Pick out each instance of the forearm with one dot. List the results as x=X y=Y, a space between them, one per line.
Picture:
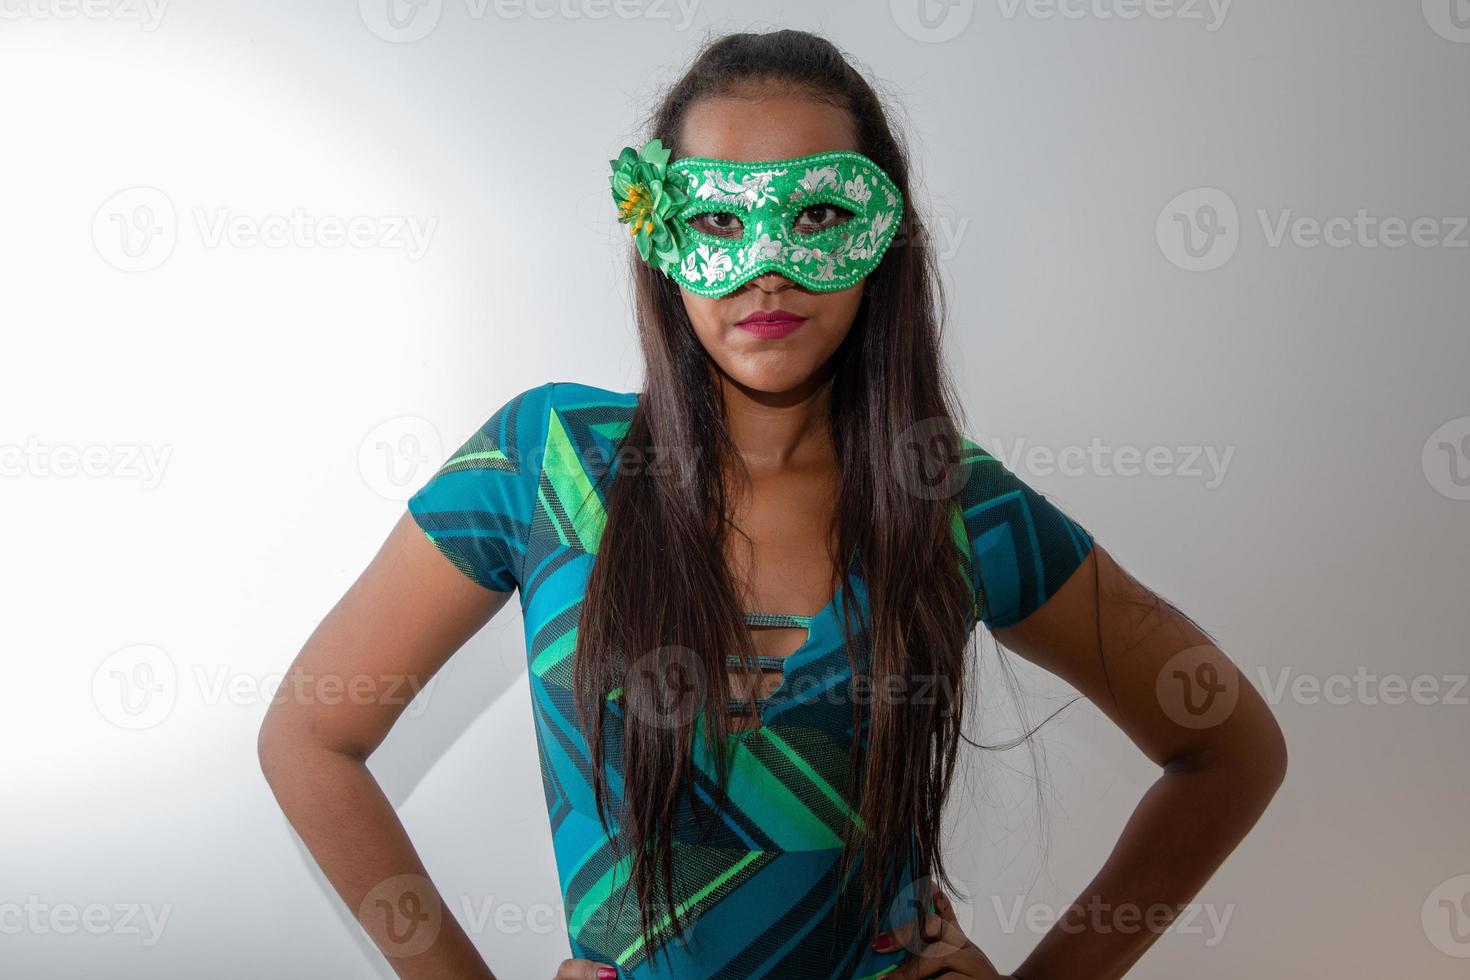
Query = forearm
x=1181 y=832
x=351 y=829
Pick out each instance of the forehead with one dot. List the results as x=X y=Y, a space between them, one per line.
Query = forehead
x=772 y=126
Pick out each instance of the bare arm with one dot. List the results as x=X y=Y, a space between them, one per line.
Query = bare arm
x=1187 y=707
x=402 y=619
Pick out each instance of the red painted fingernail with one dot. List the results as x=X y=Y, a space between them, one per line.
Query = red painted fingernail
x=883 y=943
x=606 y=973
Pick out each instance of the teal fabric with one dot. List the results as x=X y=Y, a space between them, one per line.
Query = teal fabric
x=515 y=507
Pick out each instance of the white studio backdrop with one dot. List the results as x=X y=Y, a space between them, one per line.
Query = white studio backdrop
x=262 y=266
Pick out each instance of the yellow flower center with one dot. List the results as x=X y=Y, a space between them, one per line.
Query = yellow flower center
x=635 y=204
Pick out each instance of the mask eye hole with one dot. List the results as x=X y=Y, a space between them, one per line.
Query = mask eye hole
x=820 y=217
x=721 y=224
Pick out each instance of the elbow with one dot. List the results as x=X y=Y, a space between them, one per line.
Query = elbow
x=271 y=750
x=1274 y=759
x=290 y=740
x=1265 y=746
x=1251 y=761
x=279 y=743
x=1261 y=770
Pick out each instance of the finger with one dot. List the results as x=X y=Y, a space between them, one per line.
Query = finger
x=585 y=970
x=920 y=967
x=905 y=934
x=946 y=908
x=930 y=930
x=967 y=962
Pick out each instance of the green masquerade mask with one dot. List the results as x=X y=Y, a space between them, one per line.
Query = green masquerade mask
x=822 y=220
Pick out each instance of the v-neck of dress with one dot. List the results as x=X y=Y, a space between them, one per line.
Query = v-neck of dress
x=799 y=621
x=815 y=625
x=792 y=620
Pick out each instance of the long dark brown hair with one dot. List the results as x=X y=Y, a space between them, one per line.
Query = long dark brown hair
x=660 y=582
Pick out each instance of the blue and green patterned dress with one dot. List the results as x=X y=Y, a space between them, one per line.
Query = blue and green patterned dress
x=516 y=507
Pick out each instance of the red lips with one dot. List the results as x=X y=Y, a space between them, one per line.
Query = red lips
x=770 y=316
x=771 y=324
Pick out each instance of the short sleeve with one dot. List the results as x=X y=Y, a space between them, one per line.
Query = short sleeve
x=1022 y=547
x=478 y=506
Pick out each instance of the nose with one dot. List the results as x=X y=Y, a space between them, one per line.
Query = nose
x=770 y=282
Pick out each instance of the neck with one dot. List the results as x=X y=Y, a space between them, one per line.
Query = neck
x=778 y=430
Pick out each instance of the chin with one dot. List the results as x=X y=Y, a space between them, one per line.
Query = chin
x=773 y=378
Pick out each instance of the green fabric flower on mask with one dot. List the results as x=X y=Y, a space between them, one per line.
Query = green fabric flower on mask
x=647 y=201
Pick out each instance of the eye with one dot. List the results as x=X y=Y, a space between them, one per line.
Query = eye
x=820 y=217
x=721 y=224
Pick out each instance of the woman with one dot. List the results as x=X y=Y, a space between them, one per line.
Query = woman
x=749 y=591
